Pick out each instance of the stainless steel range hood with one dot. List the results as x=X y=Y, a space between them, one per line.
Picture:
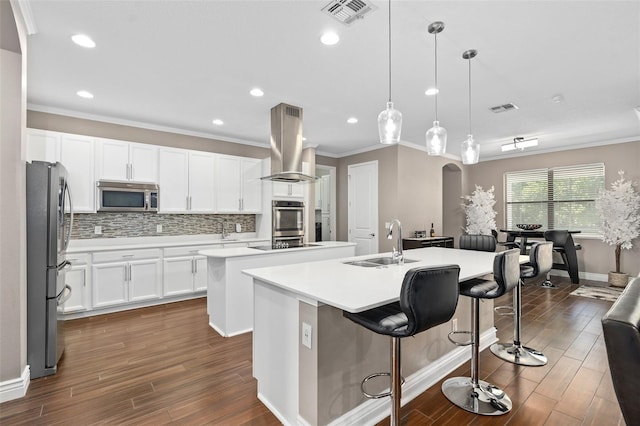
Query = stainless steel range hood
x=286 y=145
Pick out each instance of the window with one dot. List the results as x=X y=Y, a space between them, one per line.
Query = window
x=557 y=198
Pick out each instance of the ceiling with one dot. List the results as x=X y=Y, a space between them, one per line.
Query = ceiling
x=177 y=65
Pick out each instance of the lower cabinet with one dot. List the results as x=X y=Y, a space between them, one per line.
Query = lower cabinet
x=78 y=278
x=126 y=276
x=183 y=275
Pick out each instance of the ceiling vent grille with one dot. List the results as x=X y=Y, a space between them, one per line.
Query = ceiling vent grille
x=503 y=107
x=348 y=11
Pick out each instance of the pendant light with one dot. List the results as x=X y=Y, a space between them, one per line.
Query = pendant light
x=389 y=120
x=470 y=148
x=436 y=136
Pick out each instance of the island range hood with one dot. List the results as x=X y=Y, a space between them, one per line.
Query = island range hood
x=286 y=145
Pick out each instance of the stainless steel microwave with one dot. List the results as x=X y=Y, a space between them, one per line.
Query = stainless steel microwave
x=118 y=196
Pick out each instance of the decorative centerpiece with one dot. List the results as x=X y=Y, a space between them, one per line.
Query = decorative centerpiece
x=479 y=211
x=528 y=226
x=619 y=209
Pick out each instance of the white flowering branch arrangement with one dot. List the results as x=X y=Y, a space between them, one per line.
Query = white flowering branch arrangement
x=619 y=209
x=479 y=211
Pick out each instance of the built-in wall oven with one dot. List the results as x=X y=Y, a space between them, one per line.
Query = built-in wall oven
x=288 y=223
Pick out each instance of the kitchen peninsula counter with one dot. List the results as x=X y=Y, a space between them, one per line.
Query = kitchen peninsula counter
x=316 y=380
x=230 y=292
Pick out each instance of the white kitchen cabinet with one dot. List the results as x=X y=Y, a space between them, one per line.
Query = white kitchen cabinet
x=239 y=188
x=126 y=276
x=326 y=194
x=186 y=180
x=77 y=156
x=79 y=279
x=185 y=271
x=43 y=145
x=288 y=190
x=201 y=182
x=126 y=161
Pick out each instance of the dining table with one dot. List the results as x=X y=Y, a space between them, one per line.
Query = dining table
x=525 y=234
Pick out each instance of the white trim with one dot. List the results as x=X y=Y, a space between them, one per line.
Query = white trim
x=15 y=388
x=584 y=275
x=223 y=334
x=142 y=125
x=374 y=410
x=27 y=15
x=273 y=409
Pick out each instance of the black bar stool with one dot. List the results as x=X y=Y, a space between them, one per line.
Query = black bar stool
x=540 y=261
x=472 y=394
x=564 y=245
x=428 y=297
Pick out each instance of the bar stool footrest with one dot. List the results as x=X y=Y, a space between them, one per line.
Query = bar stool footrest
x=504 y=310
x=455 y=342
x=377 y=395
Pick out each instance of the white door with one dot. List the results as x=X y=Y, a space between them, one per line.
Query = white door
x=76 y=154
x=178 y=275
x=112 y=159
x=143 y=160
x=229 y=186
x=109 y=284
x=200 y=273
x=144 y=279
x=363 y=207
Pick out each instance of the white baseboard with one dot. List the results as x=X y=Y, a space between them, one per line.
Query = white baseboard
x=372 y=411
x=223 y=334
x=585 y=275
x=273 y=409
x=15 y=388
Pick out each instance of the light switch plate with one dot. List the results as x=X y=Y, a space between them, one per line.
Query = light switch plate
x=306 y=335
x=159 y=228
x=97 y=230
x=238 y=227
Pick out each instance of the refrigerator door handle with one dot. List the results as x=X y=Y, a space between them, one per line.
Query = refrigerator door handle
x=68 y=237
x=65 y=295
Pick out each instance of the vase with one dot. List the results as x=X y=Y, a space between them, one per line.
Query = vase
x=618 y=279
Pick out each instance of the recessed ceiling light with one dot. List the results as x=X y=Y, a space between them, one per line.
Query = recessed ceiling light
x=431 y=91
x=83 y=40
x=218 y=122
x=330 y=38
x=304 y=139
x=256 y=92
x=352 y=120
x=84 y=94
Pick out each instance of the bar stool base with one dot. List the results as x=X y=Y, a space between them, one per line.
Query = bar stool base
x=485 y=399
x=518 y=354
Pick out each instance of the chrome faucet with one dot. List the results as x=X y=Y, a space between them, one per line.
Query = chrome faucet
x=225 y=234
x=397 y=252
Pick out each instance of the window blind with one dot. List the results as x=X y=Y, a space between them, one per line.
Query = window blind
x=556 y=198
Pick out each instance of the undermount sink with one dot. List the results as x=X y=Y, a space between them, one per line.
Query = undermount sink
x=376 y=262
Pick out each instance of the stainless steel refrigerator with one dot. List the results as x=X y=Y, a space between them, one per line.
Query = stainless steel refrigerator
x=48 y=235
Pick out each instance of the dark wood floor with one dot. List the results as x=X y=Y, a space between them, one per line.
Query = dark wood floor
x=164 y=365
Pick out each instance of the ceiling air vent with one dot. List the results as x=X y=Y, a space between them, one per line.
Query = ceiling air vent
x=503 y=108
x=348 y=11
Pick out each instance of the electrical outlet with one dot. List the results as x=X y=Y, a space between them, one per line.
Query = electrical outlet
x=387 y=225
x=159 y=228
x=238 y=227
x=454 y=324
x=97 y=230
x=306 y=335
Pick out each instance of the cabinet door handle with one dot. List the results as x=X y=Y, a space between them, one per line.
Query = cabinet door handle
x=195 y=266
x=129 y=272
x=127 y=255
x=239 y=204
x=187 y=202
x=190 y=202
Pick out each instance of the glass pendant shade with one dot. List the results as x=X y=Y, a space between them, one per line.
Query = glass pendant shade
x=436 y=139
x=390 y=125
x=470 y=151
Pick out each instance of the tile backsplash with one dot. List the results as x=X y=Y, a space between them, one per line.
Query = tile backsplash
x=118 y=225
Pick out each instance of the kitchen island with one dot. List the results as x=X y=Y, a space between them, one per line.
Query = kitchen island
x=309 y=360
x=230 y=292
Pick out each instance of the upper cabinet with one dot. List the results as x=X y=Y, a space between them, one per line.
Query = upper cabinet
x=186 y=180
x=126 y=161
x=76 y=154
x=239 y=188
x=288 y=190
x=43 y=145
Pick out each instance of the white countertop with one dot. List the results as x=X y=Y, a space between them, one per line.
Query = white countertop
x=355 y=288
x=102 y=244
x=224 y=253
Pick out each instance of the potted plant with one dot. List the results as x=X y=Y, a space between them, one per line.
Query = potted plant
x=619 y=209
x=479 y=211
